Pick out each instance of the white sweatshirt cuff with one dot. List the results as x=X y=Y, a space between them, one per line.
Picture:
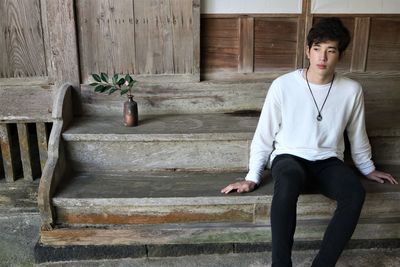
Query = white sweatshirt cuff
x=367 y=168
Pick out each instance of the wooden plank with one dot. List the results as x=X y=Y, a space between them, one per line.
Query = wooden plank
x=25 y=104
x=106 y=36
x=220 y=44
x=62 y=42
x=360 y=44
x=246 y=35
x=275 y=42
x=200 y=233
x=21 y=39
x=6 y=148
x=25 y=149
x=182 y=26
x=42 y=138
x=384 y=45
x=153 y=38
x=196 y=39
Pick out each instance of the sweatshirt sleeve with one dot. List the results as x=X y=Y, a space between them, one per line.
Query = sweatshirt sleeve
x=356 y=130
x=267 y=127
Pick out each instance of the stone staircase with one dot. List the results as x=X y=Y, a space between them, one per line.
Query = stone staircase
x=159 y=183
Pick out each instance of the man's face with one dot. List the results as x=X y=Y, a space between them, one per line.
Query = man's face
x=323 y=57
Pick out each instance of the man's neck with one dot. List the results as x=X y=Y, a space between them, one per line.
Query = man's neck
x=316 y=78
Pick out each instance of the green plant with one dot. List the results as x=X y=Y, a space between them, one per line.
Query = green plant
x=118 y=83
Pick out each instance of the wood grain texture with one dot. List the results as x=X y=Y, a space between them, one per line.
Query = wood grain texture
x=275 y=42
x=62 y=42
x=106 y=30
x=246 y=58
x=42 y=138
x=22 y=51
x=384 y=45
x=360 y=44
x=183 y=24
x=153 y=38
x=6 y=152
x=25 y=150
x=220 y=44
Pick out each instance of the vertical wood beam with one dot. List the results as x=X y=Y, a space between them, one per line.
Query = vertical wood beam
x=306 y=12
x=42 y=142
x=25 y=149
x=8 y=160
x=196 y=39
x=360 y=44
x=63 y=63
x=246 y=37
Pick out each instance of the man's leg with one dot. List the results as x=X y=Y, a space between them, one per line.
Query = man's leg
x=289 y=176
x=339 y=182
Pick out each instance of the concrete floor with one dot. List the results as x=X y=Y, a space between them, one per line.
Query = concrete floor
x=19 y=233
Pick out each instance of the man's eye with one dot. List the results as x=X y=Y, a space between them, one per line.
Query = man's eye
x=332 y=51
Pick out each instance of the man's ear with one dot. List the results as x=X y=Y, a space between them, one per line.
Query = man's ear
x=307 y=51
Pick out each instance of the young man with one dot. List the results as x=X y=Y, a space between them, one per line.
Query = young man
x=300 y=131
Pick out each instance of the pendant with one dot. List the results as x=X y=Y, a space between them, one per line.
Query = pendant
x=319 y=117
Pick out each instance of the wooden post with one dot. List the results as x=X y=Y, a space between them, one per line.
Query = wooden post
x=42 y=142
x=25 y=149
x=360 y=44
x=246 y=36
x=8 y=160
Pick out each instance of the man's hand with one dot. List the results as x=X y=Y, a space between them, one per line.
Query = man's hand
x=240 y=187
x=381 y=177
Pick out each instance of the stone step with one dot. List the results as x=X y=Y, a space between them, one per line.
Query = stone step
x=212 y=142
x=186 y=198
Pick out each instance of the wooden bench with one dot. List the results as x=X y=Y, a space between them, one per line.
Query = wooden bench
x=25 y=113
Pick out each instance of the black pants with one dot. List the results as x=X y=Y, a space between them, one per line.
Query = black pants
x=333 y=179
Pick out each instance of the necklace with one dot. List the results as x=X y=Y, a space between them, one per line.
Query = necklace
x=319 y=117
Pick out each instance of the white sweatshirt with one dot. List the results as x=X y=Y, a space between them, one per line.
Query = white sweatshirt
x=288 y=123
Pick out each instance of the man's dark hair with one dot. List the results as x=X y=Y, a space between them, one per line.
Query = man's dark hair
x=329 y=29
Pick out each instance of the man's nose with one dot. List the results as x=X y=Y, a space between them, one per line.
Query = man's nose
x=323 y=56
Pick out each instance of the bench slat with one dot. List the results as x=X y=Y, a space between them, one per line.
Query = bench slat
x=42 y=142
x=25 y=147
x=5 y=142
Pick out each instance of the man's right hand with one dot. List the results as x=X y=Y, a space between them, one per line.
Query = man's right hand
x=240 y=187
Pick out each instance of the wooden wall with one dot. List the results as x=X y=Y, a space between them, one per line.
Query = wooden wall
x=22 y=52
x=233 y=45
x=139 y=37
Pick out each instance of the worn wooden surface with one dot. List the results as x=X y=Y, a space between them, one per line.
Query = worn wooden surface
x=138 y=198
x=200 y=233
x=22 y=52
x=360 y=44
x=25 y=104
x=384 y=44
x=62 y=42
x=56 y=166
x=8 y=159
x=275 y=43
x=42 y=138
x=25 y=147
x=246 y=57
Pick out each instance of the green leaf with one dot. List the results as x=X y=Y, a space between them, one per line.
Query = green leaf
x=96 y=77
x=115 y=79
x=128 y=78
x=112 y=90
x=99 y=88
x=104 y=77
x=132 y=83
x=94 y=84
x=107 y=87
x=124 y=91
x=121 y=81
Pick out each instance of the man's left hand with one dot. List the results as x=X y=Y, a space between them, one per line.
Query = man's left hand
x=381 y=177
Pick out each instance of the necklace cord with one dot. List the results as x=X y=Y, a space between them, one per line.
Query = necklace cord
x=315 y=102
